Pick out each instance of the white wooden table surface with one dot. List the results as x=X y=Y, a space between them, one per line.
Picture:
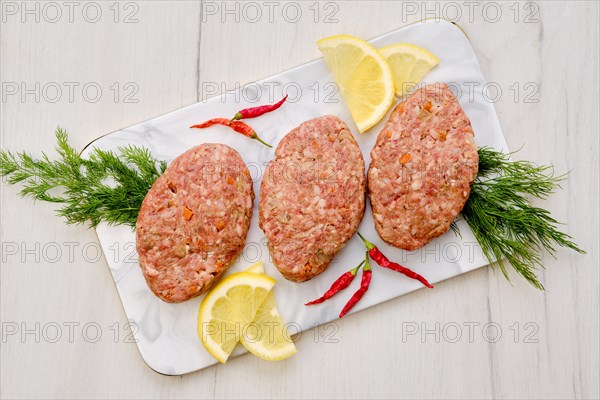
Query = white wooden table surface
x=63 y=327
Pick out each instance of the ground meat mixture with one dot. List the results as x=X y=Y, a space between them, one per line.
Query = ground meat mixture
x=193 y=222
x=312 y=197
x=423 y=164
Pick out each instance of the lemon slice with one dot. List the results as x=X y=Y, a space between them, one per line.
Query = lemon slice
x=268 y=337
x=228 y=310
x=256 y=268
x=364 y=77
x=409 y=64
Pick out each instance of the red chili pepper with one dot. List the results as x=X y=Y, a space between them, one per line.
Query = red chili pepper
x=340 y=284
x=364 y=286
x=211 y=122
x=382 y=260
x=244 y=129
x=254 y=112
x=238 y=126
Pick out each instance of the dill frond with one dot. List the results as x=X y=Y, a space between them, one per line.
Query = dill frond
x=502 y=218
x=104 y=187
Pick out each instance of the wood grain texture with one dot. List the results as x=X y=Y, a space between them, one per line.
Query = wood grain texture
x=171 y=53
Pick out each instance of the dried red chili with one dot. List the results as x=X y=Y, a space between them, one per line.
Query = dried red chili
x=254 y=112
x=383 y=261
x=238 y=126
x=364 y=286
x=340 y=284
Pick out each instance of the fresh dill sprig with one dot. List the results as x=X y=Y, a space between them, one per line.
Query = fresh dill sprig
x=502 y=218
x=103 y=187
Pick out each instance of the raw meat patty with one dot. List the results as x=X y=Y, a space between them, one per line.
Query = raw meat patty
x=193 y=222
x=423 y=164
x=312 y=197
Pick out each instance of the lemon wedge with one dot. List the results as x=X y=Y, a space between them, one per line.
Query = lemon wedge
x=229 y=308
x=268 y=336
x=257 y=268
x=363 y=75
x=409 y=64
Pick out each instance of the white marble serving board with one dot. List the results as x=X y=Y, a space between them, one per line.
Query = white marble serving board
x=166 y=333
